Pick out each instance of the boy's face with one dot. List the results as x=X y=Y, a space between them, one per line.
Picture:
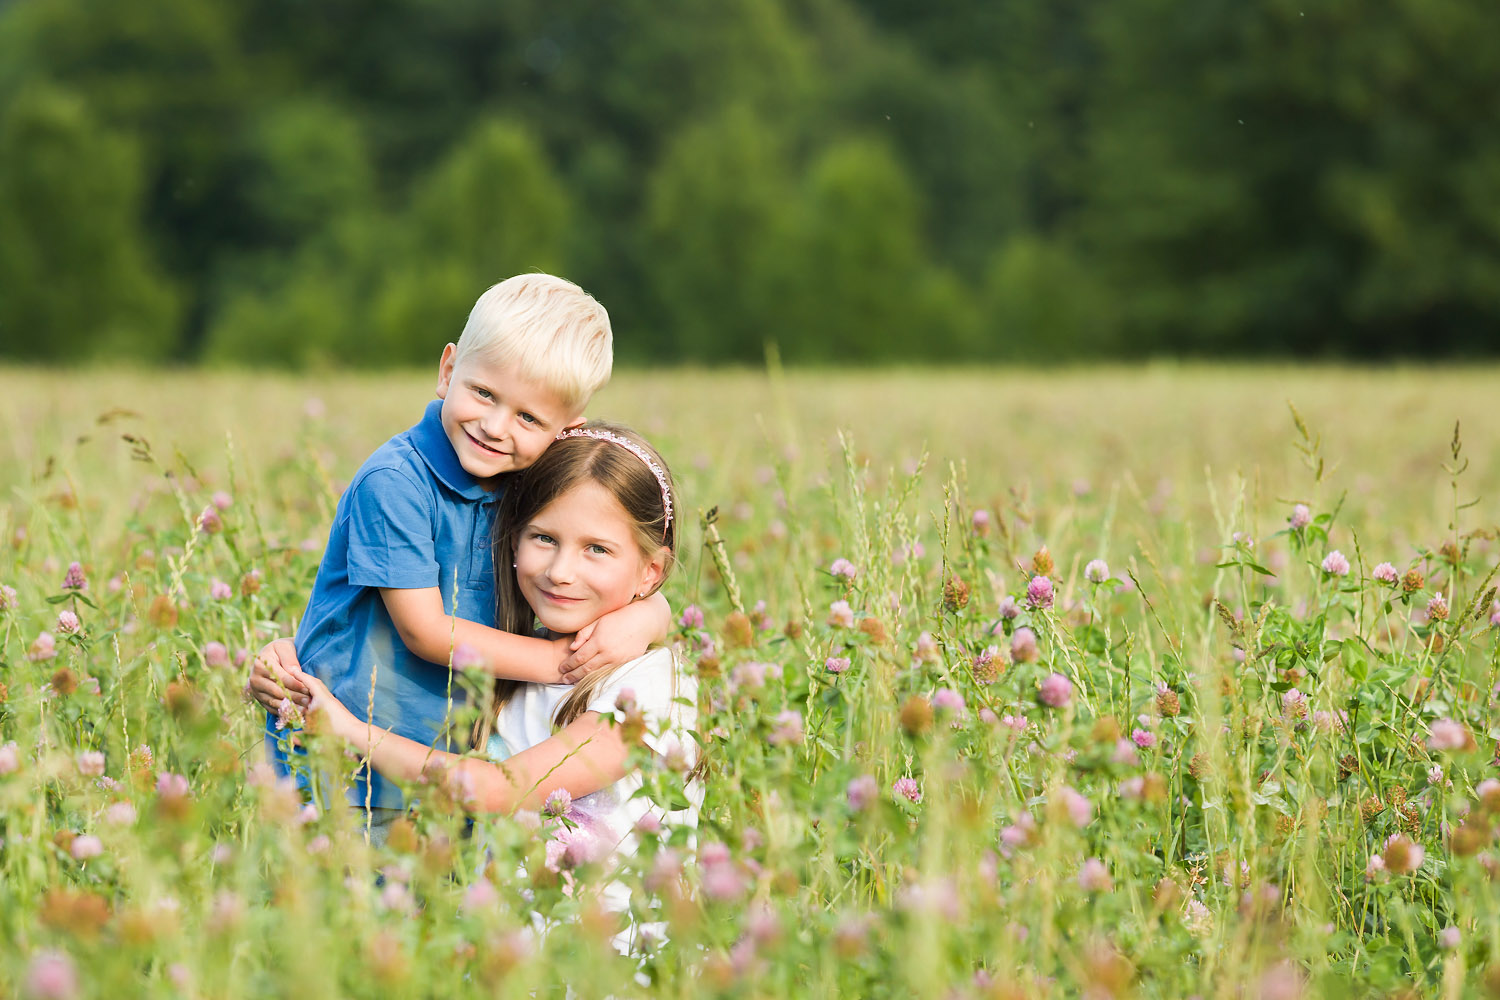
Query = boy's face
x=497 y=421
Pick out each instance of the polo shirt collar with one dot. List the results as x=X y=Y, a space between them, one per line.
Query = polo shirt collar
x=431 y=442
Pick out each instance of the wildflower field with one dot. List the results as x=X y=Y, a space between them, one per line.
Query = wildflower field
x=1151 y=682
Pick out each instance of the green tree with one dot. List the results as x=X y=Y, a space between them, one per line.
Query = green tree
x=493 y=208
x=171 y=74
x=76 y=279
x=493 y=204
x=856 y=278
x=955 y=132
x=716 y=212
x=371 y=290
x=607 y=87
x=1042 y=304
x=309 y=166
x=1287 y=177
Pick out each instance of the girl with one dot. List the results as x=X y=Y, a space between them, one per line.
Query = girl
x=592 y=528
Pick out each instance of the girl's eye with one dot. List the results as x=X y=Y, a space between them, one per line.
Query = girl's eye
x=543 y=539
x=599 y=550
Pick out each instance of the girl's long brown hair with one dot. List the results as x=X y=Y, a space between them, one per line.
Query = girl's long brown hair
x=564 y=465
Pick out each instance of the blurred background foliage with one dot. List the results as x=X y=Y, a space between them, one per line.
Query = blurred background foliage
x=296 y=184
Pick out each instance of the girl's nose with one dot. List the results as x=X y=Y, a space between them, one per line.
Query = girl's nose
x=560 y=568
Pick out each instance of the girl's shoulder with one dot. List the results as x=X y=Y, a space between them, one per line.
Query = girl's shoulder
x=654 y=665
x=652 y=679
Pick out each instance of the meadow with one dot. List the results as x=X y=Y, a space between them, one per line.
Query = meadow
x=1158 y=681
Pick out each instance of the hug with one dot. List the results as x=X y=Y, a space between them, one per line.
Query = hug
x=502 y=532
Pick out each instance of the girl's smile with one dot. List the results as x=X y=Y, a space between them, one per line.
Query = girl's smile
x=578 y=559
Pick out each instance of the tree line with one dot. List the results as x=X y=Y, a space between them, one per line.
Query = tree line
x=299 y=184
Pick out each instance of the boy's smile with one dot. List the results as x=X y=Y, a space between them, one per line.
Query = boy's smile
x=497 y=421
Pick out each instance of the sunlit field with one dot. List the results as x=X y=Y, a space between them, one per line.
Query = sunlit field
x=1157 y=682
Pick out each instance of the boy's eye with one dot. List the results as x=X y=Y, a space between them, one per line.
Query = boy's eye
x=529 y=418
x=482 y=393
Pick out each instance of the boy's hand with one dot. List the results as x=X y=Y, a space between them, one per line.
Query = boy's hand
x=617 y=638
x=275 y=674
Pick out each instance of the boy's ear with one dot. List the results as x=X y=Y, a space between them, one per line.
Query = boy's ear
x=445 y=370
x=577 y=421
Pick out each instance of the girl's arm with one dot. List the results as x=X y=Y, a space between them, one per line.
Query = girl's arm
x=585 y=756
x=276 y=673
x=431 y=633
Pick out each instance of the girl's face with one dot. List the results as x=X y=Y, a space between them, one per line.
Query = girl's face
x=578 y=560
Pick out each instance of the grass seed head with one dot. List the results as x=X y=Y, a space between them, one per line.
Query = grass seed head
x=64 y=682
x=401 y=836
x=1402 y=855
x=738 y=633
x=986 y=666
x=1488 y=792
x=162 y=613
x=873 y=628
x=916 y=715
x=387 y=959
x=77 y=912
x=955 y=594
x=1468 y=839
x=181 y=700
x=1167 y=894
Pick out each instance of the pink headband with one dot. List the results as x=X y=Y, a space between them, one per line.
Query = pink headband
x=638 y=452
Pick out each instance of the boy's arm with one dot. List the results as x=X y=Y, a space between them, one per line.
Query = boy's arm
x=392 y=549
x=431 y=633
x=618 y=637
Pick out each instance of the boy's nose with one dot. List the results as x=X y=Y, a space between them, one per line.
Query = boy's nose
x=493 y=430
x=495 y=425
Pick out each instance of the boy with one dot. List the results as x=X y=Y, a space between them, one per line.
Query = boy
x=408 y=578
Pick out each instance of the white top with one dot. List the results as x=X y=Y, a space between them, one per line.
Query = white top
x=606 y=819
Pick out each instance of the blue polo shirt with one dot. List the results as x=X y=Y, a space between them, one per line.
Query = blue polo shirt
x=411 y=518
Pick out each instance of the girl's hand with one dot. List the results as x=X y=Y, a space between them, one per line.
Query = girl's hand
x=275 y=675
x=340 y=721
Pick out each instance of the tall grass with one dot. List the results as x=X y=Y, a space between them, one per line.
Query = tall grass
x=1206 y=757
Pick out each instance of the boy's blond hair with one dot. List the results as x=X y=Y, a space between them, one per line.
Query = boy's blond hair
x=551 y=331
